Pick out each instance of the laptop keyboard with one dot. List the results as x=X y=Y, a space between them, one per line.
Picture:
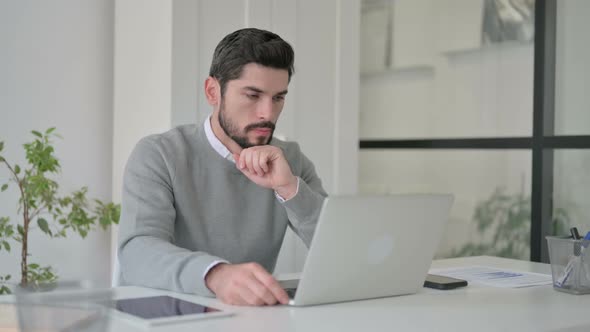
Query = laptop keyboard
x=291 y=292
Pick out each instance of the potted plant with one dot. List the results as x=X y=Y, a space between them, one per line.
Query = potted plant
x=41 y=207
x=503 y=221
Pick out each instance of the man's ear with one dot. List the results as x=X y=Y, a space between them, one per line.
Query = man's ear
x=212 y=91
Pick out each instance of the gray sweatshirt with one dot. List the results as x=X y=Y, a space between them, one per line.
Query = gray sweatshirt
x=184 y=207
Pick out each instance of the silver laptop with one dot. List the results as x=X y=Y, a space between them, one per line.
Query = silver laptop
x=371 y=246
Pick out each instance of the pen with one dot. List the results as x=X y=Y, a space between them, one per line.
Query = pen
x=585 y=244
x=576 y=260
x=574 y=233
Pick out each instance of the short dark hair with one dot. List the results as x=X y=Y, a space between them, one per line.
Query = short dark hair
x=249 y=45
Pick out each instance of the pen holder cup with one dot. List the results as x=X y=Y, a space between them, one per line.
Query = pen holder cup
x=570 y=264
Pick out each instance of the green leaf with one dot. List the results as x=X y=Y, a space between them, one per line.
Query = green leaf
x=36 y=133
x=50 y=130
x=1 y=146
x=4 y=290
x=6 y=245
x=38 y=275
x=44 y=226
x=2 y=159
x=4 y=187
x=20 y=230
x=16 y=169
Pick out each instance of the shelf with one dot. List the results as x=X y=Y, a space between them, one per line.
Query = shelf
x=409 y=71
x=490 y=47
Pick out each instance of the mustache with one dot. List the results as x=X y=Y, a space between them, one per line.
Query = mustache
x=264 y=124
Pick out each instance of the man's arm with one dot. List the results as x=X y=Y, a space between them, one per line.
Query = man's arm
x=146 y=251
x=268 y=167
x=303 y=210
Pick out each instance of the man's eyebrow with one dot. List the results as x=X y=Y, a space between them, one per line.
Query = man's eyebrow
x=257 y=90
x=251 y=88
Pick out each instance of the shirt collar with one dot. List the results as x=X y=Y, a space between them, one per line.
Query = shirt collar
x=215 y=142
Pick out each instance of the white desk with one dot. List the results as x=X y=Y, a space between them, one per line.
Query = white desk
x=474 y=308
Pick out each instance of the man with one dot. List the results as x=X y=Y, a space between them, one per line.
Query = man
x=205 y=207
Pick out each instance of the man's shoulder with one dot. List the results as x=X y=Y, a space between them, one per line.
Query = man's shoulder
x=169 y=145
x=177 y=137
x=292 y=151
x=288 y=147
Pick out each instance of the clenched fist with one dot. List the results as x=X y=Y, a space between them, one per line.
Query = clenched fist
x=267 y=166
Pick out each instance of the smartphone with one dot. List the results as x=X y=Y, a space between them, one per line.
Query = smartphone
x=443 y=283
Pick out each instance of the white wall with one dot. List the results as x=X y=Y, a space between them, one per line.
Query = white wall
x=142 y=84
x=56 y=70
x=166 y=88
x=142 y=77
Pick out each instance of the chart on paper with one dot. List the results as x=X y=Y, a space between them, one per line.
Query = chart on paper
x=495 y=277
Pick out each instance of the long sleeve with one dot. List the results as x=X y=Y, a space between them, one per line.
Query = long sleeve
x=146 y=252
x=303 y=210
x=185 y=207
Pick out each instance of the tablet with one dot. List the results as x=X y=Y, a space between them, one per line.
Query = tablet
x=159 y=310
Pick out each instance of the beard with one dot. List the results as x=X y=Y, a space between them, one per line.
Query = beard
x=233 y=131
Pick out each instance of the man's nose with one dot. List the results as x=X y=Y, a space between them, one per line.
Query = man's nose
x=265 y=109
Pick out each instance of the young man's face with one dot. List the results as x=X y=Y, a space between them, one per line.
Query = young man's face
x=251 y=104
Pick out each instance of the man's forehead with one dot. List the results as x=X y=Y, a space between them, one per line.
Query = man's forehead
x=262 y=79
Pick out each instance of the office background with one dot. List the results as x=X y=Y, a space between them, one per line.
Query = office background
x=472 y=103
x=106 y=73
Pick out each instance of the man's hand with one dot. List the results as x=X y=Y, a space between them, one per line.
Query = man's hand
x=267 y=167
x=245 y=284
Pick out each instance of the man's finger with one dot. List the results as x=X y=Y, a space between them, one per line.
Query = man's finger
x=271 y=284
x=247 y=157
x=263 y=161
x=248 y=296
x=256 y=163
x=243 y=159
x=250 y=162
x=261 y=291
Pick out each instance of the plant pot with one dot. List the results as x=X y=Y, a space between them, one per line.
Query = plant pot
x=34 y=287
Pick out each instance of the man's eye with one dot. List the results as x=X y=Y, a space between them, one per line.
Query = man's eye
x=252 y=96
x=279 y=98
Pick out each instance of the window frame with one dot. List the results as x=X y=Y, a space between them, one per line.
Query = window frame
x=542 y=143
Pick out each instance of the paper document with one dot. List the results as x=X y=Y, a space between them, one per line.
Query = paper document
x=495 y=277
x=8 y=318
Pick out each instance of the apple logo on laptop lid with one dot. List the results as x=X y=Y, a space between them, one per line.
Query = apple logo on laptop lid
x=380 y=249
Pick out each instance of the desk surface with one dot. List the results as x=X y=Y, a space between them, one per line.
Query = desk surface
x=474 y=308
